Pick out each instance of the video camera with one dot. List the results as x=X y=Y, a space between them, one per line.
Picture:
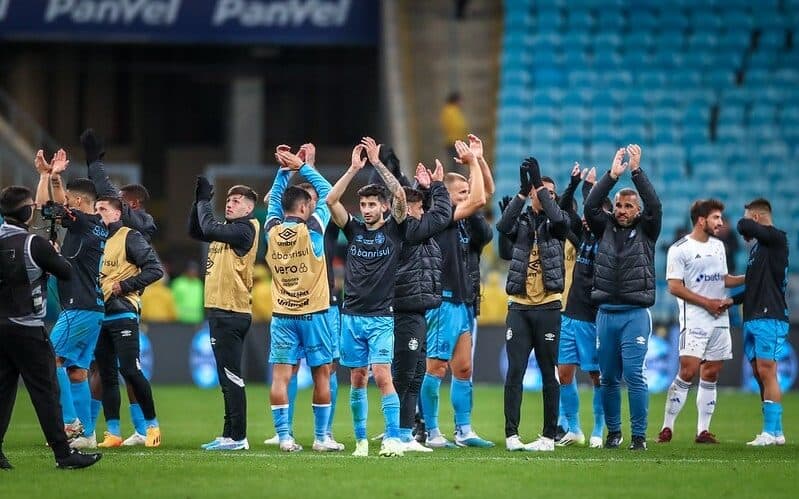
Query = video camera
x=49 y=211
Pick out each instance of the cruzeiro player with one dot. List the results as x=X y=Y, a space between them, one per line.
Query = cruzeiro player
x=367 y=320
x=130 y=264
x=300 y=296
x=696 y=271
x=578 y=337
x=75 y=333
x=765 y=312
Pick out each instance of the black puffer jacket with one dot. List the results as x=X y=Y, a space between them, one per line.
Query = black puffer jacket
x=624 y=270
x=418 y=284
x=547 y=229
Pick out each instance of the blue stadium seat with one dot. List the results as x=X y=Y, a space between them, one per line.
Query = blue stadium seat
x=672 y=19
x=666 y=59
x=548 y=76
x=685 y=78
x=704 y=18
x=719 y=79
x=669 y=40
x=638 y=39
x=582 y=79
x=703 y=39
x=697 y=59
x=735 y=19
x=542 y=41
x=606 y=58
x=579 y=20
x=734 y=39
x=548 y=19
x=763 y=59
x=574 y=116
x=772 y=39
x=575 y=58
x=762 y=115
x=651 y=79
x=601 y=154
x=611 y=20
x=571 y=152
x=575 y=39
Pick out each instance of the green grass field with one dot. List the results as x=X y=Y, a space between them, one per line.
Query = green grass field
x=190 y=416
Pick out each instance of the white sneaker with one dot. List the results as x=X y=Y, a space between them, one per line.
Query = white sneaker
x=763 y=440
x=543 y=444
x=74 y=429
x=780 y=440
x=392 y=447
x=439 y=442
x=289 y=445
x=595 y=442
x=332 y=441
x=273 y=441
x=327 y=445
x=89 y=442
x=471 y=439
x=135 y=439
x=414 y=446
x=571 y=438
x=514 y=443
x=361 y=448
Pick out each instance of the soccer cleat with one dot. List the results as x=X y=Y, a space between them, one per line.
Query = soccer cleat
x=74 y=429
x=613 y=440
x=639 y=443
x=471 y=439
x=514 y=443
x=361 y=448
x=290 y=445
x=333 y=442
x=110 y=440
x=228 y=444
x=154 y=437
x=559 y=433
x=595 y=442
x=572 y=438
x=89 y=442
x=419 y=432
x=542 y=444
x=706 y=438
x=439 y=442
x=664 y=436
x=212 y=443
x=414 y=446
x=762 y=440
x=273 y=441
x=392 y=447
x=76 y=460
x=134 y=440
x=779 y=440
x=326 y=445
x=4 y=464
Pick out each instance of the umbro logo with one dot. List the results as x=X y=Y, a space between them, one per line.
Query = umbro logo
x=126 y=333
x=641 y=340
x=287 y=234
x=697 y=256
x=549 y=337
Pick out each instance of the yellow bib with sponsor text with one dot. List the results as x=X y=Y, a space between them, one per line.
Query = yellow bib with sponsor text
x=299 y=278
x=228 y=277
x=116 y=267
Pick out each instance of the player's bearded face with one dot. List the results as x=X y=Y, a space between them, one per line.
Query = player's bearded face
x=626 y=210
x=713 y=223
x=372 y=209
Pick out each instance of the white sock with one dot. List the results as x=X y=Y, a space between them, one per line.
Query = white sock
x=675 y=400
x=705 y=404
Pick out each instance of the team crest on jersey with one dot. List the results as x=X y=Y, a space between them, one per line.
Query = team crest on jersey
x=413 y=345
x=380 y=238
x=508 y=334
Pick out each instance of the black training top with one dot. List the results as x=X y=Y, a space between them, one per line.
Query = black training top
x=455 y=242
x=766 y=272
x=84 y=244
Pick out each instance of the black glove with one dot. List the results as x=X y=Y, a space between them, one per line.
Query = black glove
x=92 y=146
x=525 y=184
x=575 y=179
x=503 y=203
x=535 y=172
x=204 y=191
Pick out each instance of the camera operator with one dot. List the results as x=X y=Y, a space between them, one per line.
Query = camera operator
x=25 y=349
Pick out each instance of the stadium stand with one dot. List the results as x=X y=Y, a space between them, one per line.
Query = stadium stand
x=711 y=93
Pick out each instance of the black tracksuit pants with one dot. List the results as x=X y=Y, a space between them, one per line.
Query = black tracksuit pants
x=119 y=340
x=228 y=331
x=408 y=366
x=27 y=352
x=532 y=328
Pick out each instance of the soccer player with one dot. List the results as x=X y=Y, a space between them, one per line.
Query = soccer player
x=449 y=327
x=228 y=296
x=75 y=333
x=25 y=349
x=136 y=217
x=534 y=287
x=417 y=289
x=765 y=312
x=696 y=271
x=300 y=296
x=130 y=264
x=624 y=288
x=578 y=338
x=367 y=321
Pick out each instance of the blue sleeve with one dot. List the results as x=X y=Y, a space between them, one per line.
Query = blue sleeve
x=322 y=187
x=275 y=210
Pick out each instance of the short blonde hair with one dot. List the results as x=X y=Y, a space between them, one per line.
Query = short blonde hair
x=451 y=178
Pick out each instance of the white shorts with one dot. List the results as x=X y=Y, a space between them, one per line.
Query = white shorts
x=706 y=344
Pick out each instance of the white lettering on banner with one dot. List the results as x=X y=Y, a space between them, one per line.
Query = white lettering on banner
x=4 y=8
x=253 y=13
x=150 y=12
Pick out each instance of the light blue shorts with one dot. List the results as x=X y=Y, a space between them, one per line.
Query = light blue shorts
x=445 y=325
x=291 y=338
x=74 y=336
x=334 y=326
x=764 y=338
x=366 y=340
x=578 y=344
